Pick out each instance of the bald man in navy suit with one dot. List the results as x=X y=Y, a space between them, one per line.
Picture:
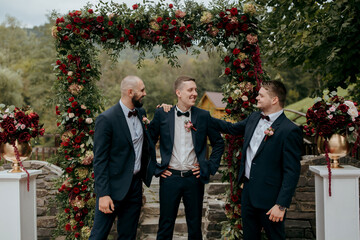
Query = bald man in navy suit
x=124 y=157
x=270 y=163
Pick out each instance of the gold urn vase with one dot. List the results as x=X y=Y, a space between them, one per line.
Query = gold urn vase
x=8 y=152
x=338 y=147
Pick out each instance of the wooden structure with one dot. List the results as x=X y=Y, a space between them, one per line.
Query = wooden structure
x=212 y=102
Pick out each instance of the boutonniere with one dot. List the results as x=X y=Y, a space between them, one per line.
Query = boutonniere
x=189 y=126
x=269 y=132
x=145 y=121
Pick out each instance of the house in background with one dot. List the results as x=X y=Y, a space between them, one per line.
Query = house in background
x=212 y=102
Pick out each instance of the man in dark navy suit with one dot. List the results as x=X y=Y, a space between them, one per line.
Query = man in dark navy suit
x=270 y=163
x=184 y=169
x=124 y=156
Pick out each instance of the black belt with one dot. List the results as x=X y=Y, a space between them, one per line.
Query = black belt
x=186 y=173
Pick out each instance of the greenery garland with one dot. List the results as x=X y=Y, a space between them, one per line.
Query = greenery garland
x=142 y=27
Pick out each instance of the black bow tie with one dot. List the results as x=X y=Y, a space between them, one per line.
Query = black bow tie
x=133 y=113
x=265 y=117
x=186 y=114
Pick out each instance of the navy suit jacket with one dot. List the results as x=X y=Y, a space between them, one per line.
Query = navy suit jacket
x=114 y=155
x=163 y=126
x=275 y=168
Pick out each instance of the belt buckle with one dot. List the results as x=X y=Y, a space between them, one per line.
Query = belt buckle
x=181 y=173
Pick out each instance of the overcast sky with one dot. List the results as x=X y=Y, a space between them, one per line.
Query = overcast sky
x=33 y=12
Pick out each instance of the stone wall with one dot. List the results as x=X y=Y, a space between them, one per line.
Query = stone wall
x=300 y=223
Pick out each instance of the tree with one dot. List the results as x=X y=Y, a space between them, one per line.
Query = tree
x=10 y=83
x=320 y=36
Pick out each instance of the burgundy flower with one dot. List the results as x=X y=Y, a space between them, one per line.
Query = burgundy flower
x=165 y=27
x=227 y=59
x=135 y=6
x=76 y=190
x=222 y=14
x=68 y=227
x=171 y=6
x=159 y=19
x=236 y=51
x=24 y=137
x=173 y=22
x=244 y=27
x=227 y=71
x=100 y=19
x=234 y=11
x=90 y=11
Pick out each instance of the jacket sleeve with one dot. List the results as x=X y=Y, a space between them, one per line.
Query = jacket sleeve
x=217 y=144
x=291 y=166
x=228 y=127
x=102 y=144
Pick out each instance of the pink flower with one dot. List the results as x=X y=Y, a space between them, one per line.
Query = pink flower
x=189 y=126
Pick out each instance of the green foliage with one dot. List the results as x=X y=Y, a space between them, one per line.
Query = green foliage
x=10 y=82
x=320 y=36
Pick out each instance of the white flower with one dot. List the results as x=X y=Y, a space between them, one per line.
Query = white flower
x=330 y=116
x=83 y=107
x=89 y=120
x=244 y=98
x=22 y=126
x=71 y=115
x=332 y=108
x=353 y=113
x=70 y=73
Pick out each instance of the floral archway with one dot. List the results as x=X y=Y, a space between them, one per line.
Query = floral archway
x=142 y=27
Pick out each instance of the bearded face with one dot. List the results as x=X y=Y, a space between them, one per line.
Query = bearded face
x=137 y=100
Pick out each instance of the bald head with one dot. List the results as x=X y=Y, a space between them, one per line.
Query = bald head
x=129 y=82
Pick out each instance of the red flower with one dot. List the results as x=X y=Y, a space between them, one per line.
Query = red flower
x=122 y=39
x=78 y=139
x=91 y=132
x=251 y=73
x=244 y=27
x=24 y=137
x=85 y=210
x=165 y=27
x=182 y=29
x=77 y=235
x=67 y=210
x=236 y=51
x=244 y=18
x=90 y=11
x=71 y=99
x=159 y=19
x=74 y=104
x=227 y=59
x=228 y=111
x=100 y=19
x=234 y=198
x=65 y=38
x=227 y=71
x=68 y=227
x=237 y=62
x=173 y=22
x=245 y=104
x=83 y=188
x=69 y=169
x=76 y=190
x=234 y=11
x=230 y=100
x=222 y=14
x=177 y=39
x=135 y=6
x=81 y=223
x=110 y=23
x=126 y=31
x=171 y=6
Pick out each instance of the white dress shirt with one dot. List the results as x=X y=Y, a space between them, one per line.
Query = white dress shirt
x=257 y=138
x=137 y=135
x=183 y=153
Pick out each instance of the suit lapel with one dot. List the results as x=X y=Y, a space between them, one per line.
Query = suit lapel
x=275 y=126
x=252 y=126
x=171 y=117
x=193 y=121
x=123 y=124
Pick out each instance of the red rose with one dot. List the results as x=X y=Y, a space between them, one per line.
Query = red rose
x=110 y=23
x=103 y=39
x=122 y=39
x=71 y=99
x=135 y=6
x=227 y=71
x=245 y=104
x=24 y=137
x=90 y=11
x=69 y=26
x=234 y=11
x=239 y=226
x=76 y=20
x=230 y=100
x=159 y=19
x=100 y=19
x=76 y=190
x=234 y=198
x=244 y=18
x=92 y=175
x=251 y=74
x=78 y=139
x=165 y=27
x=182 y=29
x=65 y=38
x=83 y=188
x=76 y=208
x=77 y=235
x=188 y=27
x=227 y=59
x=344 y=108
x=173 y=22
x=177 y=39
x=241 y=78
x=228 y=111
x=219 y=25
x=85 y=210
x=126 y=31
x=68 y=227
x=236 y=51
x=91 y=132
x=81 y=223
x=74 y=227
x=10 y=128
x=244 y=27
x=171 y=6
x=237 y=62
x=67 y=210
x=68 y=169
x=222 y=14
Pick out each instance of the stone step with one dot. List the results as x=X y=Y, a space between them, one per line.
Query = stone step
x=149 y=225
x=216 y=188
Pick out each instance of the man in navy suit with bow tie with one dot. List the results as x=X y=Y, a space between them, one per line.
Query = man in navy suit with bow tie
x=184 y=169
x=124 y=156
x=270 y=163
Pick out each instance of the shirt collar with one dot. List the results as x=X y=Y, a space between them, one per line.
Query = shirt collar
x=178 y=109
x=125 y=109
x=275 y=115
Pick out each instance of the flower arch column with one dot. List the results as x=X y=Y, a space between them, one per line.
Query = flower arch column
x=114 y=27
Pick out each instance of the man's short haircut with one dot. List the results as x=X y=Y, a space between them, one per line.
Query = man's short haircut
x=180 y=80
x=276 y=89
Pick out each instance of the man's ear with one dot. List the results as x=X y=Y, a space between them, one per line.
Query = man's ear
x=130 y=92
x=177 y=92
x=275 y=100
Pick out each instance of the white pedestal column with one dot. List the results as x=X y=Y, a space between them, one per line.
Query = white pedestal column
x=18 y=206
x=337 y=217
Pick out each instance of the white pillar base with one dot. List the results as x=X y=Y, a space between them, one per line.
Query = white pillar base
x=337 y=217
x=18 y=206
